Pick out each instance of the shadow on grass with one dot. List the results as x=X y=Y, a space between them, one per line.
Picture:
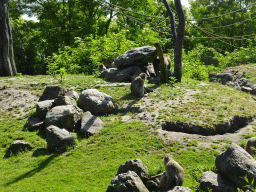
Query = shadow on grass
x=40 y=167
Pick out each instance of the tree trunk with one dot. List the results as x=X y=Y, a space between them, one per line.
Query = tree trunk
x=7 y=64
x=177 y=37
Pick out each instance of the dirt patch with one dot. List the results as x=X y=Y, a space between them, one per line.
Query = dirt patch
x=17 y=101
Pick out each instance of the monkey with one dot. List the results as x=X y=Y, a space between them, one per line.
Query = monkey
x=173 y=175
x=101 y=67
x=138 y=86
x=156 y=63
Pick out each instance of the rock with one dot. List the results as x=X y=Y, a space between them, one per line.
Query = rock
x=42 y=107
x=90 y=124
x=246 y=89
x=65 y=116
x=244 y=82
x=51 y=92
x=125 y=74
x=57 y=137
x=137 y=55
x=72 y=95
x=64 y=100
x=233 y=84
x=235 y=163
x=251 y=146
x=214 y=182
x=137 y=166
x=178 y=189
x=18 y=146
x=109 y=73
x=253 y=91
x=155 y=80
x=98 y=103
x=35 y=124
x=136 y=74
x=126 y=182
x=222 y=77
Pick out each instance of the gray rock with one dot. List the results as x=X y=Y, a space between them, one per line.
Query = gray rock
x=98 y=103
x=251 y=146
x=246 y=89
x=35 y=124
x=18 y=146
x=57 y=137
x=214 y=182
x=51 y=92
x=235 y=163
x=178 y=189
x=244 y=82
x=65 y=116
x=233 y=84
x=136 y=55
x=90 y=124
x=126 y=182
x=125 y=74
x=155 y=80
x=72 y=95
x=109 y=73
x=136 y=74
x=64 y=100
x=42 y=107
x=137 y=166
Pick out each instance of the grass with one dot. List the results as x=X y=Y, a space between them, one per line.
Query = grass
x=92 y=162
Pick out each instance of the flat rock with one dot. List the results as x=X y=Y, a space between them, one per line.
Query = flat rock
x=64 y=116
x=57 y=137
x=90 y=124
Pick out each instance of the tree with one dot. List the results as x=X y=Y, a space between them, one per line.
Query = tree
x=7 y=64
x=177 y=37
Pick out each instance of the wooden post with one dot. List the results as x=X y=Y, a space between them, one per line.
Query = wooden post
x=177 y=37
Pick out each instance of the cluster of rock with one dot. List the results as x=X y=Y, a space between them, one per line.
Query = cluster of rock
x=58 y=113
x=233 y=165
x=133 y=176
x=132 y=63
x=231 y=78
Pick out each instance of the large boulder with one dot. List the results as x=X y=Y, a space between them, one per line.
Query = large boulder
x=90 y=124
x=64 y=116
x=137 y=56
x=214 y=182
x=109 y=73
x=125 y=182
x=98 y=103
x=126 y=74
x=56 y=137
x=235 y=163
x=137 y=166
x=51 y=92
x=42 y=107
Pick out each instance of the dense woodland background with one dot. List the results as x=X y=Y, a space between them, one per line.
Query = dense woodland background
x=73 y=36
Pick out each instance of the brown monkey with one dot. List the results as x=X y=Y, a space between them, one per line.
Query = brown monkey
x=156 y=63
x=138 y=85
x=101 y=67
x=173 y=175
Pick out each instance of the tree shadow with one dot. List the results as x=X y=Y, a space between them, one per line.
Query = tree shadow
x=32 y=172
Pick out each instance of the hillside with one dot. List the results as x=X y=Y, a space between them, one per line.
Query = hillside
x=134 y=132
